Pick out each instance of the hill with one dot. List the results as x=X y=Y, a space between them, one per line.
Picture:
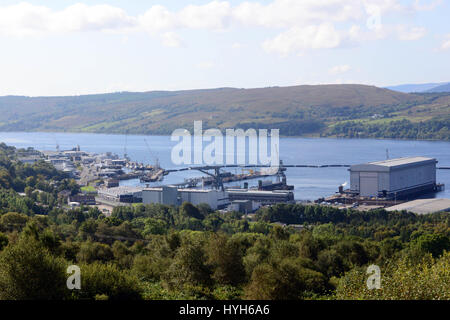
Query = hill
x=320 y=110
x=442 y=88
x=418 y=87
x=162 y=111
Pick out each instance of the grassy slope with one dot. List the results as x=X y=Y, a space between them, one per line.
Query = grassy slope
x=161 y=112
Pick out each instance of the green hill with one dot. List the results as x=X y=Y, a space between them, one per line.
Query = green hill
x=297 y=110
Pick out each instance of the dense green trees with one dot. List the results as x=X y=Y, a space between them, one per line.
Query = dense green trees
x=107 y=281
x=29 y=271
x=428 y=279
x=435 y=244
x=225 y=255
x=120 y=260
x=3 y=241
x=435 y=129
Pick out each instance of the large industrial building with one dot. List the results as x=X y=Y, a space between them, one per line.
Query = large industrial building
x=394 y=178
x=171 y=195
x=123 y=194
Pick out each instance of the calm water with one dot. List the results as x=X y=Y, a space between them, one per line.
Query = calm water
x=310 y=183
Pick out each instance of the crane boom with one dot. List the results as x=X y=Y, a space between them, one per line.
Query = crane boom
x=152 y=154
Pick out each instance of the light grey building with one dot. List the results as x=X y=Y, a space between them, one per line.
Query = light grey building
x=124 y=194
x=216 y=199
x=243 y=206
x=167 y=195
x=171 y=195
x=394 y=178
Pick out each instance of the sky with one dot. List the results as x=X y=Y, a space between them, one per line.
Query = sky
x=65 y=47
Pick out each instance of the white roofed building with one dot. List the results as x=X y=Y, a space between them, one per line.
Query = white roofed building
x=399 y=178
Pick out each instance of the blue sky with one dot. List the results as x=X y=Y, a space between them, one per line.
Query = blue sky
x=72 y=47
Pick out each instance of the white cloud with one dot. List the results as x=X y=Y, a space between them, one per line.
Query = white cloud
x=302 y=25
x=171 y=39
x=81 y=17
x=298 y=39
x=157 y=18
x=339 y=69
x=214 y=16
x=289 y=13
x=25 y=19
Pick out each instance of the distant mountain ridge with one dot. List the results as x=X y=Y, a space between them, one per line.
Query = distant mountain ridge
x=442 y=88
x=418 y=87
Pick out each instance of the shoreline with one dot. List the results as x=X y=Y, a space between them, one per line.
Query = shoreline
x=281 y=136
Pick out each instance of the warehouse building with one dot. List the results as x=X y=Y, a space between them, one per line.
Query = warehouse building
x=171 y=195
x=394 y=178
x=167 y=195
x=84 y=199
x=216 y=199
x=123 y=194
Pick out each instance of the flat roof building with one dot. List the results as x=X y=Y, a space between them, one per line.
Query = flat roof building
x=171 y=195
x=120 y=194
x=30 y=159
x=423 y=206
x=263 y=197
x=399 y=178
x=167 y=195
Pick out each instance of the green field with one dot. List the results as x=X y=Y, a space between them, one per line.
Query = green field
x=88 y=189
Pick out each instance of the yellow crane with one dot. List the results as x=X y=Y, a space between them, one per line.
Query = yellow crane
x=250 y=171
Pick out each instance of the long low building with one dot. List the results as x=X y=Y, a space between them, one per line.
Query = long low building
x=122 y=194
x=395 y=178
x=260 y=196
x=171 y=195
x=423 y=206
